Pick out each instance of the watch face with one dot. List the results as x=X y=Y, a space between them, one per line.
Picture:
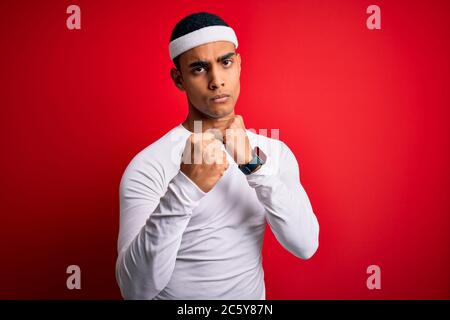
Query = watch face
x=260 y=154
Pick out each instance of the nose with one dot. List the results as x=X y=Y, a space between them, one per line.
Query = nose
x=216 y=79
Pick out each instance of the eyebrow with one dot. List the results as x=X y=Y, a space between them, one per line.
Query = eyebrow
x=203 y=63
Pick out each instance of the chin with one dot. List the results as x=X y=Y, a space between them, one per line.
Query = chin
x=220 y=114
x=223 y=108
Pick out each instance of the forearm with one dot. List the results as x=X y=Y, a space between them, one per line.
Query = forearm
x=290 y=216
x=145 y=266
x=288 y=209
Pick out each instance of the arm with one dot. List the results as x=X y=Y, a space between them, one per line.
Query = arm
x=149 y=242
x=289 y=211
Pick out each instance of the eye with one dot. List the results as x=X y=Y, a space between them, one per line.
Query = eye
x=198 y=69
x=228 y=64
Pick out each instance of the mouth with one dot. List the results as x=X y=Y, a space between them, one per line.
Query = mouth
x=221 y=98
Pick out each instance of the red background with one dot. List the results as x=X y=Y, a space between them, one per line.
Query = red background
x=366 y=113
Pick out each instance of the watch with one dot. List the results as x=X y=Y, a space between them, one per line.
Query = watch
x=259 y=158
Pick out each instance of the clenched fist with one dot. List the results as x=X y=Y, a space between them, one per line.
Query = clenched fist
x=204 y=161
x=236 y=140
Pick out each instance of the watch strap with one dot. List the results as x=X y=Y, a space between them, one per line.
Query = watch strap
x=254 y=164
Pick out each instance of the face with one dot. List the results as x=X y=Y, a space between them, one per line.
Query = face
x=208 y=71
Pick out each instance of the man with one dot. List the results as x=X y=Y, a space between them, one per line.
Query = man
x=194 y=204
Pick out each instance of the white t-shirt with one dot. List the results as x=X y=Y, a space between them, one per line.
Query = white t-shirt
x=178 y=242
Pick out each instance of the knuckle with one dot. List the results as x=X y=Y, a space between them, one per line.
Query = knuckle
x=208 y=135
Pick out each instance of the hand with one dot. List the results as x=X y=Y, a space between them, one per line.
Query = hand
x=204 y=161
x=237 y=142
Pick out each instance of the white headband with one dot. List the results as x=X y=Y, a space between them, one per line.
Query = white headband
x=199 y=37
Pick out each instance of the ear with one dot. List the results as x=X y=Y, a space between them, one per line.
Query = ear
x=238 y=56
x=177 y=78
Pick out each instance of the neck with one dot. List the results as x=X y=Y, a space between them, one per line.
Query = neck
x=206 y=122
